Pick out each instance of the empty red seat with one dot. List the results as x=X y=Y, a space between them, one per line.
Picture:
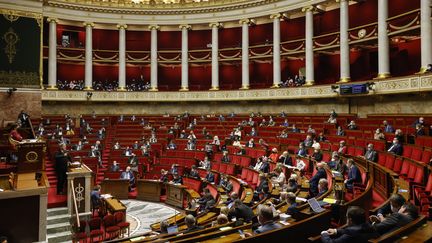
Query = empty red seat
x=397 y=165
x=389 y=161
x=426 y=156
x=407 y=150
x=416 y=153
x=405 y=168
x=412 y=171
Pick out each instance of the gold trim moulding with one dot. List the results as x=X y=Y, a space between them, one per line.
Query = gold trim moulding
x=344 y=80
x=422 y=70
x=214 y=88
x=153 y=89
x=52 y=87
x=184 y=89
x=383 y=76
x=88 y=88
x=245 y=87
x=309 y=82
x=121 y=88
x=275 y=86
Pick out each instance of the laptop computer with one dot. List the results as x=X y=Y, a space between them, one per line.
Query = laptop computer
x=172 y=229
x=315 y=205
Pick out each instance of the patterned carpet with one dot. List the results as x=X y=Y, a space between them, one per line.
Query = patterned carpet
x=142 y=214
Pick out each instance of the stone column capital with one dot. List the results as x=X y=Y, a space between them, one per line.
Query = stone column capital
x=276 y=16
x=51 y=20
x=216 y=25
x=88 y=24
x=308 y=9
x=156 y=27
x=185 y=26
x=247 y=21
x=339 y=1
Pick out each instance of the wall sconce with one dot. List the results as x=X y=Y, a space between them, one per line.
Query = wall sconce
x=89 y=95
x=371 y=86
x=10 y=91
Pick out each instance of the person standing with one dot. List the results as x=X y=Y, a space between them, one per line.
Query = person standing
x=62 y=158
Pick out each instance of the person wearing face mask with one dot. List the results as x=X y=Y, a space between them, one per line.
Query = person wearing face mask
x=302 y=150
x=370 y=153
x=317 y=155
x=396 y=147
x=313 y=182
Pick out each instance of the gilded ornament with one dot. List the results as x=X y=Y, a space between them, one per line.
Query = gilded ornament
x=11 y=38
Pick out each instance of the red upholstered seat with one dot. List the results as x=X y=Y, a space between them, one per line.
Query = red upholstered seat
x=416 y=154
x=382 y=157
x=80 y=232
x=110 y=226
x=121 y=223
x=95 y=229
x=244 y=173
x=407 y=150
x=389 y=161
x=359 y=151
x=351 y=150
x=426 y=156
x=412 y=171
x=230 y=169
x=405 y=168
x=397 y=165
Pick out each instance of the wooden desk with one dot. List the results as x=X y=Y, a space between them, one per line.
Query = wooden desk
x=149 y=190
x=113 y=205
x=117 y=188
x=174 y=195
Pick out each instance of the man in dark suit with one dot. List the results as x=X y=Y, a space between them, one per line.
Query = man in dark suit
x=396 y=201
x=241 y=211
x=95 y=196
x=177 y=179
x=387 y=127
x=405 y=215
x=265 y=219
x=291 y=200
x=133 y=162
x=313 y=182
x=262 y=189
x=193 y=172
x=396 y=147
x=371 y=154
x=190 y=222
x=206 y=201
x=354 y=175
x=265 y=166
x=62 y=158
x=226 y=184
x=358 y=230
x=128 y=175
x=114 y=167
x=209 y=177
x=285 y=159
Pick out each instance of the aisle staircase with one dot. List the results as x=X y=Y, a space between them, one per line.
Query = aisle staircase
x=54 y=200
x=58 y=225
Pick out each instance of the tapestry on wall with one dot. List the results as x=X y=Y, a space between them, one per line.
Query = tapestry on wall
x=20 y=49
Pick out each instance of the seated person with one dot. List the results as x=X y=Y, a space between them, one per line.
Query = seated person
x=164 y=227
x=354 y=175
x=128 y=175
x=294 y=129
x=95 y=197
x=264 y=165
x=221 y=220
x=279 y=179
x=407 y=213
x=193 y=172
x=340 y=131
x=231 y=199
x=292 y=182
x=291 y=200
x=250 y=143
x=274 y=155
x=300 y=164
x=302 y=152
x=396 y=147
x=285 y=159
x=370 y=153
x=352 y=125
x=262 y=190
x=265 y=219
x=206 y=201
x=396 y=201
x=225 y=157
x=317 y=155
x=177 y=179
x=321 y=138
x=308 y=141
x=174 y=169
x=164 y=176
x=241 y=211
x=209 y=177
x=313 y=182
x=133 y=162
x=127 y=152
x=357 y=229
x=342 y=148
x=190 y=222
x=322 y=187
x=114 y=167
x=226 y=184
x=379 y=135
x=190 y=145
x=171 y=145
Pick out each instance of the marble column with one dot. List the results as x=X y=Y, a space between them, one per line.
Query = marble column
x=88 y=57
x=344 y=42
x=122 y=57
x=426 y=35
x=383 y=40
x=309 y=53
x=276 y=50
x=245 y=52
x=52 y=54
x=184 y=58
x=153 y=58
x=215 y=55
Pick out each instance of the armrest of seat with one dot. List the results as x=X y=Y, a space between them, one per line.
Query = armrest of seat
x=402 y=231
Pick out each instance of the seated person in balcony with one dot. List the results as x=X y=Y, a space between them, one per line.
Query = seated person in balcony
x=241 y=211
x=354 y=175
x=63 y=140
x=117 y=146
x=133 y=162
x=342 y=147
x=164 y=176
x=340 y=131
x=396 y=147
x=226 y=184
x=285 y=123
x=14 y=135
x=94 y=153
x=250 y=122
x=191 y=224
x=263 y=123
x=317 y=155
x=294 y=129
x=236 y=142
x=225 y=157
x=321 y=138
x=114 y=167
x=379 y=135
x=357 y=229
x=302 y=152
x=285 y=158
x=192 y=136
x=193 y=172
x=274 y=156
x=250 y=143
x=322 y=187
x=370 y=153
x=387 y=127
x=209 y=177
x=400 y=136
x=183 y=134
x=271 y=122
x=352 y=125
x=420 y=121
x=406 y=214
x=135 y=145
x=190 y=145
x=177 y=179
x=396 y=201
x=332 y=120
x=283 y=134
x=308 y=141
x=208 y=148
x=206 y=201
x=419 y=130
x=279 y=178
x=205 y=163
x=291 y=200
x=145 y=150
x=95 y=197
x=171 y=145
x=266 y=221
x=79 y=146
x=128 y=175
x=241 y=150
x=310 y=130
x=313 y=182
x=253 y=132
x=221 y=118
x=262 y=190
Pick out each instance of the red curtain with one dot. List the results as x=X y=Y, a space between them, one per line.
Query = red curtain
x=105 y=39
x=67 y=71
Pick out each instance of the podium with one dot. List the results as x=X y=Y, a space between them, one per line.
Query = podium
x=149 y=190
x=175 y=195
x=79 y=180
x=31 y=155
x=118 y=188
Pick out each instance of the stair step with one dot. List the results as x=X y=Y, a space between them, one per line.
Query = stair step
x=57 y=211
x=59 y=227
x=62 y=218
x=59 y=237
